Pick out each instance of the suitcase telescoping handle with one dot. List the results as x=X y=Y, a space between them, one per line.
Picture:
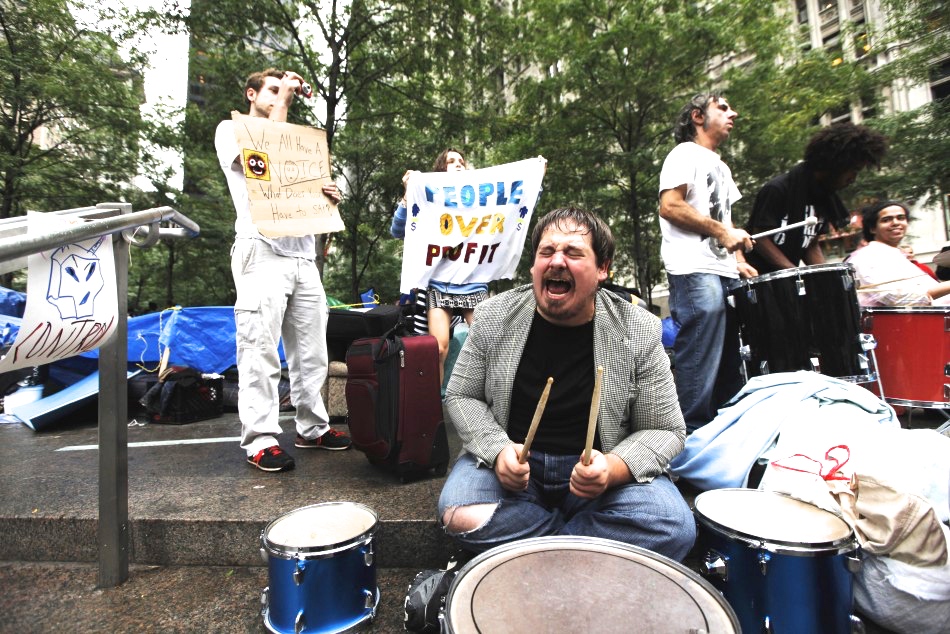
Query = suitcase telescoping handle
x=387 y=346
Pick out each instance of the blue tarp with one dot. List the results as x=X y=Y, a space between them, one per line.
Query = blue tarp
x=12 y=302
x=199 y=337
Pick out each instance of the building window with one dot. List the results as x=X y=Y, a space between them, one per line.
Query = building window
x=801 y=8
x=940 y=81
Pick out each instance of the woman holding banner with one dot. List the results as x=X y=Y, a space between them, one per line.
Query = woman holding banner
x=444 y=301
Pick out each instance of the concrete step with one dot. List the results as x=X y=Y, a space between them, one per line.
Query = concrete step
x=193 y=500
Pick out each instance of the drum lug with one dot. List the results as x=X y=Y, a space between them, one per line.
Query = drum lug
x=746 y=353
x=299 y=567
x=715 y=565
x=763 y=559
x=848 y=282
x=265 y=600
x=946 y=323
x=731 y=301
x=868 y=342
x=867 y=321
x=857 y=625
x=751 y=296
x=946 y=370
x=863 y=363
x=369 y=601
x=264 y=556
x=368 y=556
x=298 y=623
x=815 y=364
x=946 y=392
x=800 y=285
x=764 y=367
x=853 y=562
x=767 y=626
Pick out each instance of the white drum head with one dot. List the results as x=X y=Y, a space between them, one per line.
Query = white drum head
x=770 y=516
x=582 y=584
x=320 y=526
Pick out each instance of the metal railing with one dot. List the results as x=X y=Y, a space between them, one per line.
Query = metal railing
x=143 y=229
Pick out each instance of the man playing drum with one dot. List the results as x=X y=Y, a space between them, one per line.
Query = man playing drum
x=562 y=326
x=527 y=400
x=702 y=253
x=833 y=158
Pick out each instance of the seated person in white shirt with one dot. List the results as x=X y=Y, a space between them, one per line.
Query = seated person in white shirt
x=885 y=276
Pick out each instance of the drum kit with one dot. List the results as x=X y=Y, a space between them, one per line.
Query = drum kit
x=768 y=562
x=808 y=318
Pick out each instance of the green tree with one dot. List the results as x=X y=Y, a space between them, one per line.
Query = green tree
x=69 y=122
x=611 y=77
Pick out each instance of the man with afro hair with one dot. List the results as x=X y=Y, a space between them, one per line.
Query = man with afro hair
x=833 y=158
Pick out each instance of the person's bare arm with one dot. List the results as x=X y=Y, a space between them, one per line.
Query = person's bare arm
x=813 y=254
x=675 y=209
x=938 y=291
x=767 y=249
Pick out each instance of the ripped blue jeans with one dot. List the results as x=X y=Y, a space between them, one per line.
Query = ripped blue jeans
x=651 y=515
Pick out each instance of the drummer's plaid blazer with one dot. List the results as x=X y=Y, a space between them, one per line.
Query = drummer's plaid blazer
x=639 y=419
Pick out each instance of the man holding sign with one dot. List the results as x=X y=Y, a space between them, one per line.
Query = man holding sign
x=279 y=291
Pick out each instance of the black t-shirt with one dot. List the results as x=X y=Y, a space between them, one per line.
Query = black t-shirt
x=786 y=199
x=567 y=355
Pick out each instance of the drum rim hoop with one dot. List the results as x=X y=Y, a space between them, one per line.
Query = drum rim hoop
x=284 y=551
x=797 y=271
x=906 y=310
x=578 y=541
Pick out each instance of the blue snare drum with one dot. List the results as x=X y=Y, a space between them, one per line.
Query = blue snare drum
x=783 y=565
x=321 y=569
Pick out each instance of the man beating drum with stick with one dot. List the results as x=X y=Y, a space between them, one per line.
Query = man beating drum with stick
x=552 y=335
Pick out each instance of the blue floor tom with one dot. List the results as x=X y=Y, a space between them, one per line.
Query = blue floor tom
x=321 y=569
x=783 y=565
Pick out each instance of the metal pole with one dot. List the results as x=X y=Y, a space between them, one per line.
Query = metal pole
x=113 y=535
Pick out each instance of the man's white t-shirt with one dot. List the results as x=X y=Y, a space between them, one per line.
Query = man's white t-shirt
x=711 y=191
x=229 y=158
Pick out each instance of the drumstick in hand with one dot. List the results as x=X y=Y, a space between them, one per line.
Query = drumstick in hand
x=811 y=220
x=534 y=421
x=594 y=409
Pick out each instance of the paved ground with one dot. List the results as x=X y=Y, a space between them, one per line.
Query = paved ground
x=63 y=597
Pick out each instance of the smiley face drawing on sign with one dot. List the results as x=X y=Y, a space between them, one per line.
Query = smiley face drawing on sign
x=256 y=165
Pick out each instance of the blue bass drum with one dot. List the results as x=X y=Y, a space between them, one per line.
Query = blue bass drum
x=783 y=565
x=321 y=569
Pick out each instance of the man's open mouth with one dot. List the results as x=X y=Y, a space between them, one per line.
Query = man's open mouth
x=558 y=287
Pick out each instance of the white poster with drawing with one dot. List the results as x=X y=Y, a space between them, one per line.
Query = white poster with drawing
x=286 y=167
x=71 y=302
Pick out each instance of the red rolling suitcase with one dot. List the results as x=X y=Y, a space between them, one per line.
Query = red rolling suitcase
x=394 y=404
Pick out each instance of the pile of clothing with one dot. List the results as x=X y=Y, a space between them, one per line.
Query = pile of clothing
x=836 y=445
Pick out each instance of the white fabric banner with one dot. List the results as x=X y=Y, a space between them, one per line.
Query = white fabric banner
x=71 y=301
x=469 y=226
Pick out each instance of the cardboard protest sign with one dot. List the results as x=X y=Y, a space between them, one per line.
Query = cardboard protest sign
x=71 y=302
x=286 y=166
x=469 y=226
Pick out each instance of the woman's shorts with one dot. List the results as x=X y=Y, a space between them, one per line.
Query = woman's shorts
x=438 y=299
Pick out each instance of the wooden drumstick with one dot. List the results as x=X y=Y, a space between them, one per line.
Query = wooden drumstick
x=594 y=409
x=534 y=421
